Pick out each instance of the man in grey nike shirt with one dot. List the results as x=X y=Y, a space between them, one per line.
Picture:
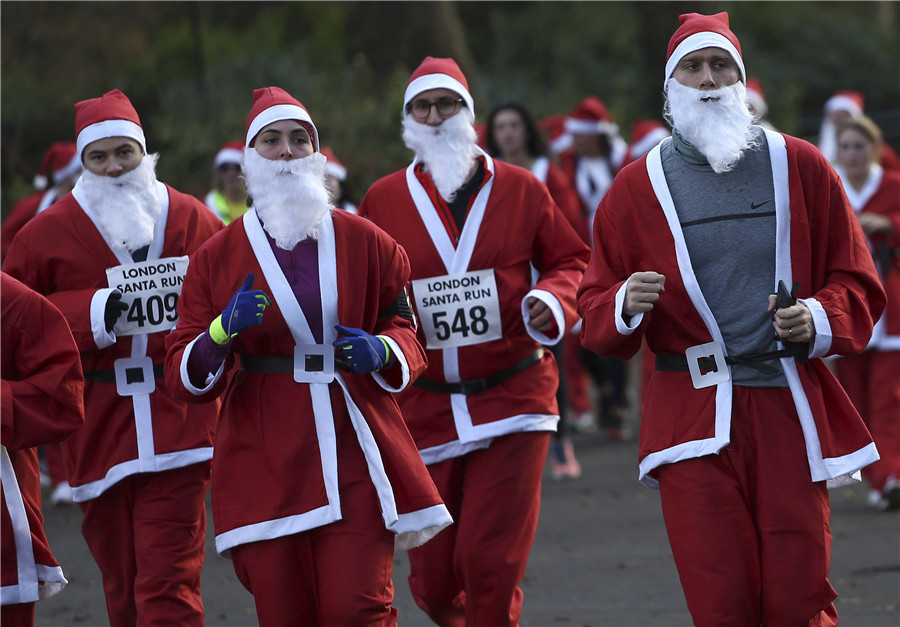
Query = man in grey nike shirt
x=743 y=425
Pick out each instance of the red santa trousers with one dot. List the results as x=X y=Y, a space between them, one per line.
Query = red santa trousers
x=330 y=576
x=749 y=530
x=147 y=535
x=56 y=468
x=17 y=615
x=469 y=574
x=872 y=381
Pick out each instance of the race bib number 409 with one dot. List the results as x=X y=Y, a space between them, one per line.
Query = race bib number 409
x=151 y=290
x=458 y=309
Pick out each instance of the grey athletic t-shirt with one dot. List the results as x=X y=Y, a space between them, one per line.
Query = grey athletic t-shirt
x=728 y=220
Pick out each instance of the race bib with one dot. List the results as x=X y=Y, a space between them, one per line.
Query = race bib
x=458 y=309
x=151 y=290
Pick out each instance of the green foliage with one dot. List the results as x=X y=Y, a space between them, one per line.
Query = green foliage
x=190 y=67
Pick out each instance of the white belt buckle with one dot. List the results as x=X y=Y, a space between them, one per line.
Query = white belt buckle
x=313 y=363
x=134 y=375
x=703 y=377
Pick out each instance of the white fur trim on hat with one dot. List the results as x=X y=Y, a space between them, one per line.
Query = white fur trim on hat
x=337 y=171
x=72 y=168
x=437 y=81
x=277 y=113
x=229 y=155
x=590 y=127
x=648 y=141
x=840 y=102
x=109 y=128
x=698 y=41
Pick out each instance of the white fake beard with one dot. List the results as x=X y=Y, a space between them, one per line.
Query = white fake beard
x=127 y=206
x=447 y=150
x=720 y=128
x=290 y=197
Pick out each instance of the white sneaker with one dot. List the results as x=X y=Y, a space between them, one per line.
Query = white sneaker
x=62 y=494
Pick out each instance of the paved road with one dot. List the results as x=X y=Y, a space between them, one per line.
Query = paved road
x=600 y=559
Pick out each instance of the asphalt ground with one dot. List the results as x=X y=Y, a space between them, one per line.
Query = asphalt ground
x=600 y=558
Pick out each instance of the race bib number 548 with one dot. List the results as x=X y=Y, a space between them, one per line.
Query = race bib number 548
x=150 y=289
x=458 y=309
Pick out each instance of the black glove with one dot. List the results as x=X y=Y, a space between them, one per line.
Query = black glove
x=114 y=310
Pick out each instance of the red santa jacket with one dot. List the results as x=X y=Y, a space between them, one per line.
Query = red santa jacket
x=279 y=434
x=881 y=194
x=563 y=194
x=22 y=212
x=512 y=223
x=819 y=244
x=62 y=255
x=40 y=403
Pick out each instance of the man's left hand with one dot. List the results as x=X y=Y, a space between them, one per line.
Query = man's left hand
x=794 y=323
x=539 y=314
x=361 y=351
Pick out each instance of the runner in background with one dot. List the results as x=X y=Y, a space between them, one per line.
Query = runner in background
x=228 y=198
x=872 y=378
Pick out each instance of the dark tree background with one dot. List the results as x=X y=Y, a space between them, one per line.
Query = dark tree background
x=190 y=67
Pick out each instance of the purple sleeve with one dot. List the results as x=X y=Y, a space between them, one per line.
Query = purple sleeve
x=205 y=358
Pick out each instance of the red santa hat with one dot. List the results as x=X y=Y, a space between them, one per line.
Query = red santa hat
x=333 y=166
x=849 y=101
x=757 y=97
x=434 y=73
x=273 y=104
x=110 y=115
x=590 y=117
x=645 y=134
x=230 y=152
x=703 y=31
x=554 y=127
x=60 y=162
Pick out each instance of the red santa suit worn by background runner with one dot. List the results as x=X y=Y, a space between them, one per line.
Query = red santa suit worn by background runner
x=63 y=163
x=139 y=466
x=872 y=378
x=41 y=402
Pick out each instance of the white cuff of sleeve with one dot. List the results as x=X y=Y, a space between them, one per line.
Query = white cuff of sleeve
x=397 y=354
x=102 y=337
x=621 y=326
x=555 y=308
x=186 y=379
x=821 y=343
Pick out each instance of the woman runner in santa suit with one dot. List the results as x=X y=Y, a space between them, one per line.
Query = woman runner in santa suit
x=872 y=378
x=296 y=316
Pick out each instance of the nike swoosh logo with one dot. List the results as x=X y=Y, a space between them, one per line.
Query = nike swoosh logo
x=754 y=205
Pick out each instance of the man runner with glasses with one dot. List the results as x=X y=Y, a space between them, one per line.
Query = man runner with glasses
x=482 y=413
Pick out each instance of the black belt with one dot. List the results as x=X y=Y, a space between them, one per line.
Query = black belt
x=678 y=363
x=279 y=365
x=109 y=376
x=476 y=386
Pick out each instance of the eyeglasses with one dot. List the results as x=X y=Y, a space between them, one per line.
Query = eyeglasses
x=447 y=107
